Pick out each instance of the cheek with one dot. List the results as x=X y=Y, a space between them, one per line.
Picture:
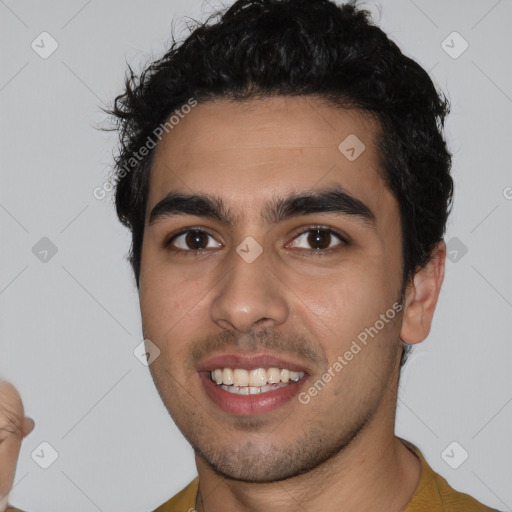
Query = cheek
x=174 y=308
x=168 y=298
x=338 y=307
x=353 y=287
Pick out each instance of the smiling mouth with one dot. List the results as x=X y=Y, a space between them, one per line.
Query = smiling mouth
x=253 y=382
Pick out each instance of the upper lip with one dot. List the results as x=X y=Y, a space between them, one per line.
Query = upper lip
x=248 y=362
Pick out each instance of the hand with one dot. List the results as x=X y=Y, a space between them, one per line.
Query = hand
x=14 y=426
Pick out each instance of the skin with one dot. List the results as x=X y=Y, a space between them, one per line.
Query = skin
x=339 y=451
x=14 y=426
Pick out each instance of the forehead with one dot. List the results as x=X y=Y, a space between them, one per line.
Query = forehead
x=249 y=151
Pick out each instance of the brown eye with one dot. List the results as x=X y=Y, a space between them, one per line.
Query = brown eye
x=317 y=239
x=193 y=240
x=196 y=240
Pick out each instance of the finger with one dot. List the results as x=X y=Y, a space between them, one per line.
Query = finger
x=9 y=452
x=12 y=425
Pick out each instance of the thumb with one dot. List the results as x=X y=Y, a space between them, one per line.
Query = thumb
x=27 y=426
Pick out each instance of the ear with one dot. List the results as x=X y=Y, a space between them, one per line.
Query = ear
x=421 y=297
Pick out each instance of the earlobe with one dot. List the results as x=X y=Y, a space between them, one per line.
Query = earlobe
x=421 y=297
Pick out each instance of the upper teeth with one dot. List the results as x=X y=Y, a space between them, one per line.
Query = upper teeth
x=256 y=378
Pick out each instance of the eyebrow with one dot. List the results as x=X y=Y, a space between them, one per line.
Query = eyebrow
x=330 y=200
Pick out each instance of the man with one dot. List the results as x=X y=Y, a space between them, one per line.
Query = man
x=287 y=186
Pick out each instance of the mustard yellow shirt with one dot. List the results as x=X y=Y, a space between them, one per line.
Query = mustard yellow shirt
x=433 y=494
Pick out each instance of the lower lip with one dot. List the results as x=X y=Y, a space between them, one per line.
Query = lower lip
x=249 y=405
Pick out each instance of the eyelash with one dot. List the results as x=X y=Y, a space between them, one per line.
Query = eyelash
x=195 y=252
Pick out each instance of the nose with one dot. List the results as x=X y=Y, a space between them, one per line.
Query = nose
x=251 y=296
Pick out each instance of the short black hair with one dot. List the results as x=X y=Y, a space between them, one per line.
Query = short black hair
x=262 y=48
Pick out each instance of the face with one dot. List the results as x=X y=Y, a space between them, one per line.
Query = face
x=287 y=257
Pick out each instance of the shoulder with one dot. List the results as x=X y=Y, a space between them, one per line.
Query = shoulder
x=434 y=494
x=184 y=501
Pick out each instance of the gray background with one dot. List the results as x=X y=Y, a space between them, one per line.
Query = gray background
x=69 y=324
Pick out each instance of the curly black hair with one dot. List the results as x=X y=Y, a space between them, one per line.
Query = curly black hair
x=260 y=48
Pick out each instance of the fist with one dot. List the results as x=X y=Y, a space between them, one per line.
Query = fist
x=14 y=426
